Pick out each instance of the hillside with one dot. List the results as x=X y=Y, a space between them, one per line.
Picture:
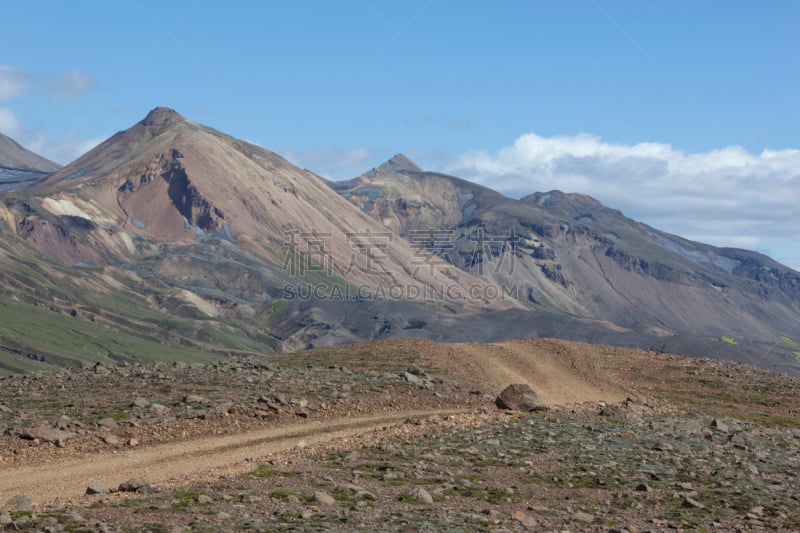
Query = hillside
x=569 y=252
x=19 y=166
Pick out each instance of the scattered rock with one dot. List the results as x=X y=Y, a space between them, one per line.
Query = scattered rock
x=112 y=440
x=194 y=398
x=159 y=409
x=413 y=379
x=422 y=495
x=46 y=434
x=72 y=516
x=720 y=425
x=519 y=397
x=19 y=503
x=132 y=485
x=323 y=498
x=583 y=517
x=204 y=499
x=690 y=503
x=97 y=487
x=416 y=371
x=140 y=402
x=108 y=423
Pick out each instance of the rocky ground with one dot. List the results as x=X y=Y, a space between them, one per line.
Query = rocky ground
x=697 y=446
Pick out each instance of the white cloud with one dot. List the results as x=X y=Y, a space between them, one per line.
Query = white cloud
x=15 y=82
x=71 y=84
x=12 y=82
x=9 y=124
x=331 y=161
x=726 y=197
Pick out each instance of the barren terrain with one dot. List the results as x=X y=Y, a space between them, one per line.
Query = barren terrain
x=403 y=435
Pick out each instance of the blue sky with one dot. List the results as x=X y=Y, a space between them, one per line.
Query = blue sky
x=682 y=114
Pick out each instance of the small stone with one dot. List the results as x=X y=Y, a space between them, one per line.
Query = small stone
x=519 y=516
x=411 y=378
x=133 y=441
x=324 y=498
x=416 y=371
x=109 y=423
x=112 y=440
x=422 y=495
x=140 y=402
x=132 y=485
x=365 y=495
x=306 y=513
x=193 y=398
x=72 y=516
x=222 y=516
x=147 y=489
x=641 y=487
x=97 y=488
x=159 y=409
x=5 y=519
x=19 y=503
x=583 y=517
x=720 y=425
x=46 y=434
x=690 y=503
x=204 y=499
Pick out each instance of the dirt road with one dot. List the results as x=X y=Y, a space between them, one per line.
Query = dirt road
x=561 y=373
x=68 y=479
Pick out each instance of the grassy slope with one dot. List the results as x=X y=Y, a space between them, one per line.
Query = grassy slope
x=114 y=319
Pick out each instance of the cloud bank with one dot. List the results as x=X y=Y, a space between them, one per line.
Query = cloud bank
x=725 y=197
x=15 y=83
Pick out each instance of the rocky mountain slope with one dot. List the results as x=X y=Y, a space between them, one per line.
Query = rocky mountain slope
x=169 y=180
x=570 y=252
x=171 y=233
x=18 y=165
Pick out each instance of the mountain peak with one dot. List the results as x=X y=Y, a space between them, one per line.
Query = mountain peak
x=162 y=116
x=399 y=163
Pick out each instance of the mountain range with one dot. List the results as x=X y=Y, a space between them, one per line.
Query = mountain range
x=171 y=240
x=19 y=165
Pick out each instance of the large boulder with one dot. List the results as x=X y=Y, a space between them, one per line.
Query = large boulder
x=519 y=397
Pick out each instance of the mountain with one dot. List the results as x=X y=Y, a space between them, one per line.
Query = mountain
x=571 y=253
x=214 y=244
x=19 y=165
x=167 y=179
x=174 y=241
